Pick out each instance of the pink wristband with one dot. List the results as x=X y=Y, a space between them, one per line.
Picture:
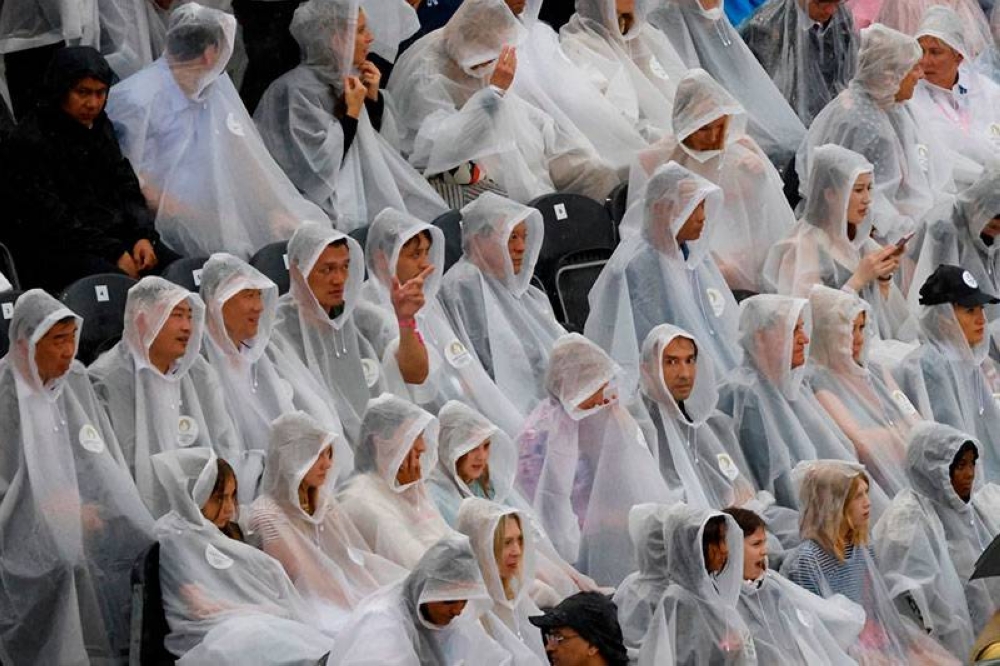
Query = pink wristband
x=412 y=325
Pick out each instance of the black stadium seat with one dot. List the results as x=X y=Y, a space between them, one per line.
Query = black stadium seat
x=450 y=224
x=361 y=235
x=272 y=261
x=149 y=622
x=186 y=272
x=617 y=203
x=575 y=275
x=100 y=300
x=7 y=299
x=7 y=267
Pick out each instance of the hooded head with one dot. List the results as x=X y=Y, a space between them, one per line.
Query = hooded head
x=885 y=58
x=477 y=32
x=941 y=26
x=685 y=537
x=389 y=429
x=977 y=206
x=833 y=175
x=487 y=226
x=297 y=442
x=42 y=362
x=503 y=543
x=774 y=334
x=463 y=429
x=930 y=455
x=618 y=21
x=67 y=69
x=305 y=249
x=388 y=233
x=187 y=477
x=703 y=392
x=581 y=376
x=199 y=44
x=825 y=488
x=223 y=278
x=150 y=311
x=700 y=101
x=448 y=572
x=833 y=344
x=646 y=526
x=327 y=32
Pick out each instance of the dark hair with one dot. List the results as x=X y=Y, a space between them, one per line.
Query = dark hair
x=69 y=66
x=967 y=446
x=188 y=41
x=225 y=472
x=340 y=242
x=715 y=533
x=748 y=521
x=424 y=233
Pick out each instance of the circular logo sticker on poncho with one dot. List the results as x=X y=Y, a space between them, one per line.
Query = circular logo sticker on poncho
x=457 y=354
x=728 y=467
x=656 y=68
x=904 y=403
x=804 y=618
x=716 y=300
x=234 y=125
x=216 y=558
x=923 y=157
x=370 y=368
x=187 y=431
x=968 y=279
x=90 y=439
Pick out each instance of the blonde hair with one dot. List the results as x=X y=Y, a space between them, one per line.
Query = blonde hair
x=498 y=539
x=850 y=534
x=826 y=493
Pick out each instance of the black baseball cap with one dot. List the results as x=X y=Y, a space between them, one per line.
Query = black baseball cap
x=592 y=615
x=953 y=284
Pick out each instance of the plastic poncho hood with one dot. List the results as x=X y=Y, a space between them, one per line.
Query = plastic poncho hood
x=388 y=430
x=885 y=57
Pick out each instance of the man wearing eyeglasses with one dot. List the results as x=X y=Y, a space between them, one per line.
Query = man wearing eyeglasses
x=583 y=630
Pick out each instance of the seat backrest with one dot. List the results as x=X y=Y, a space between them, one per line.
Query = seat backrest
x=450 y=224
x=186 y=272
x=575 y=276
x=7 y=299
x=272 y=261
x=361 y=235
x=149 y=622
x=617 y=203
x=100 y=300
x=573 y=223
x=7 y=267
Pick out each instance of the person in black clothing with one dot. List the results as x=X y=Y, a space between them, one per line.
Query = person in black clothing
x=73 y=206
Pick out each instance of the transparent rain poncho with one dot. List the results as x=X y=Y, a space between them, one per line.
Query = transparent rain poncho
x=462 y=430
x=133 y=34
x=398 y=521
x=637 y=72
x=696 y=446
x=862 y=397
x=887 y=639
x=706 y=39
x=949 y=382
x=907 y=15
x=390 y=628
x=652 y=278
x=454 y=371
x=448 y=114
x=225 y=601
x=152 y=411
x=71 y=520
x=323 y=553
x=929 y=539
x=819 y=249
x=791 y=625
x=754 y=214
x=204 y=169
x=298 y=122
x=912 y=171
x=965 y=115
x=499 y=314
x=777 y=418
x=506 y=618
x=29 y=24
x=342 y=351
x=697 y=615
x=583 y=468
x=954 y=236
x=638 y=595
x=809 y=65
x=259 y=383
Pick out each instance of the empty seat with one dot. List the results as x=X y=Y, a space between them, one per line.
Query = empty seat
x=149 y=622
x=272 y=261
x=450 y=224
x=575 y=275
x=7 y=299
x=186 y=272
x=100 y=300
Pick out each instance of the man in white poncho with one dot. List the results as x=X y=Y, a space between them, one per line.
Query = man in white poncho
x=158 y=390
x=871 y=117
x=260 y=383
x=401 y=247
x=71 y=521
x=633 y=64
x=664 y=271
x=387 y=499
x=204 y=169
x=906 y=16
x=300 y=523
x=488 y=294
x=225 y=602
x=428 y=619
x=321 y=120
x=929 y=539
x=950 y=377
x=704 y=37
x=455 y=103
x=709 y=140
x=583 y=462
x=340 y=337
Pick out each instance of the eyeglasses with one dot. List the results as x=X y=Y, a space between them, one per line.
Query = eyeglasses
x=558 y=639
